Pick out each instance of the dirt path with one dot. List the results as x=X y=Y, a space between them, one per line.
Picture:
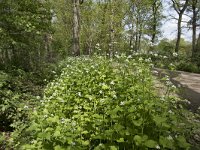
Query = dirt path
x=189 y=84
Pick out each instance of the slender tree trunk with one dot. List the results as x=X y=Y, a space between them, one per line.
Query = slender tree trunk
x=111 y=44
x=76 y=28
x=140 y=36
x=136 y=34
x=180 y=12
x=194 y=26
x=178 y=33
x=198 y=45
x=47 y=46
x=154 y=22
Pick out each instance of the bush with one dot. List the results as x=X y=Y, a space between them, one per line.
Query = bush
x=104 y=104
x=188 y=66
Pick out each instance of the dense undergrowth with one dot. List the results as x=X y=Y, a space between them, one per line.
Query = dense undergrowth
x=20 y=90
x=98 y=103
x=173 y=61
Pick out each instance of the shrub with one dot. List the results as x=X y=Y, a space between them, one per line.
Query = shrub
x=188 y=66
x=98 y=103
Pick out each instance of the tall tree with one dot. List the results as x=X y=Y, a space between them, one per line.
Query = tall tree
x=156 y=7
x=180 y=7
x=76 y=27
x=195 y=12
x=139 y=19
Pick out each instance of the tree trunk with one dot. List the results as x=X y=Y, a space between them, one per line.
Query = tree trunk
x=111 y=44
x=137 y=34
x=194 y=26
x=154 y=22
x=198 y=45
x=76 y=28
x=178 y=33
x=180 y=15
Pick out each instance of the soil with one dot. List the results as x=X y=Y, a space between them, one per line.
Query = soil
x=189 y=84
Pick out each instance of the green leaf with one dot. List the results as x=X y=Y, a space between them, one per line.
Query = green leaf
x=166 y=143
x=33 y=127
x=159 y=119
x=84 y=132
x=69 y=140
x=53 y=119
x=137 y=122
x=45 y=135
x=120 y=140
x=57 y=133
x=182 y=142
x=58 y=147
x=137 y=139
x=150 y=144
x=105 y=87
x=85 y=143
x=100 y=147
x=113 y=148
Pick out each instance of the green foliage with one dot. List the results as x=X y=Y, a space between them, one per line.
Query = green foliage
x=98 y=103
x=15 y=98
x=23 y=25
x=188 y=66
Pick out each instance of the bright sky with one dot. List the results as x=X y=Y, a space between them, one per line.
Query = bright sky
x=169 y=28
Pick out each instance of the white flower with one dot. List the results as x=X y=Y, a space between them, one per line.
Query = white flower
x=170 y=111
x=79 y=94
x=100 y=92
x=167 y=78
x=187 y=101
x=129 y=56
x=25 y=107
x=168 y=83
x=140 y=59
x=175 y=54
x=73 y=123
x=162 y=98
x=73 y=143
x=151 y=65
x=170 y=137
x=164 y=57
x=173 y=86
x=114 y=96
x=155 y=55
x=62 y=120
x=54 y=94
x=112 y=82
x=122 y=103
x=157 y=147
x=155 y=72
